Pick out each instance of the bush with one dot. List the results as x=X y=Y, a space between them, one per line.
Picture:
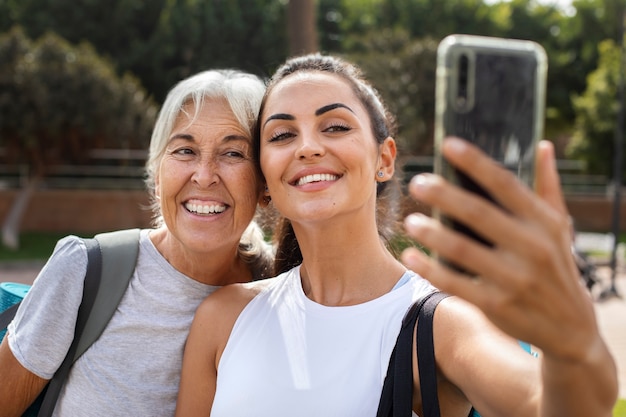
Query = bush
x=59 y=101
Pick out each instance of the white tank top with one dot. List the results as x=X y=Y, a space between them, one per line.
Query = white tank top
x=289 y=356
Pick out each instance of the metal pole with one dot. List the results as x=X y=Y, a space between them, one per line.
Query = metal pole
x=617 y=169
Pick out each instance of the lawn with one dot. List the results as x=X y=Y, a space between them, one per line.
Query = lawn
x=33 y=246
x=620 y=408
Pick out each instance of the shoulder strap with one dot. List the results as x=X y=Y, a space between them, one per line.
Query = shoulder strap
x=7 y=315
x=119 y=251
x=397 y=394
x=90 y=291
x=426 y=357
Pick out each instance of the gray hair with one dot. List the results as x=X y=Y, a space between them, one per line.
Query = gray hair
x=243 y=92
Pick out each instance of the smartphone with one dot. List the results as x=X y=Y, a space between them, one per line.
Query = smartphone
x=490 y=92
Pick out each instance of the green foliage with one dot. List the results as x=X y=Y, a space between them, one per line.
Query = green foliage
x=164 y=41
x=620 y=408
x=347 y=20
x=198 y=35
x=596 y=112
x=403 y=71
x=419 y=18
x=573 y=51
x=59 y=101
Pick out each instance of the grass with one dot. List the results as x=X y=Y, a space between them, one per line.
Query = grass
x=620 y=408
x=33 y=246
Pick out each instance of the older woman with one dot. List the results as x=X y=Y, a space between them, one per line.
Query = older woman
x=205 y=188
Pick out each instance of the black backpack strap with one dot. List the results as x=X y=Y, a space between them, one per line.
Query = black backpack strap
x=426 y=356
x=119 y=257
x=397 y=393
x=7 y=315
x=90 y=290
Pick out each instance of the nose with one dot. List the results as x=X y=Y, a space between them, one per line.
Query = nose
x=309 y=146
x=205 y=174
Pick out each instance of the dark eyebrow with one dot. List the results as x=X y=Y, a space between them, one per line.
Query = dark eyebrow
x=330 y=107
x=318 y=112
x=279 y=116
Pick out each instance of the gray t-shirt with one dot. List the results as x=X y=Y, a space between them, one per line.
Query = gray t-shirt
x=133 y=369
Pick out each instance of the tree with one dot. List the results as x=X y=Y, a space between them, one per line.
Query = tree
x=59 y=101
x=164 y=41
x=403 y=71
x=302 y=27
x=596 y=112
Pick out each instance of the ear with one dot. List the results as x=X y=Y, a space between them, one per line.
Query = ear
x=387 y=159
x=264 y=197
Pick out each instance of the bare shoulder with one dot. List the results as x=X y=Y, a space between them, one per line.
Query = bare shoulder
x=460 y=326
x=464 y=337
x=230 y=300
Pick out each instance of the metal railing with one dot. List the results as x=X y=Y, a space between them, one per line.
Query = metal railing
x=121 y=169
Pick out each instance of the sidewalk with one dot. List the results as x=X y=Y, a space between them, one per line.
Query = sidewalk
x=611 y=312
x=611 y=315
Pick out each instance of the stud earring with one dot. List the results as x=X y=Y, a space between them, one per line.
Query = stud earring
x=380 y=174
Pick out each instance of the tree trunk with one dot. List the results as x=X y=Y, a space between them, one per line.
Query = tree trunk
x=302 y=27
x=11 y=225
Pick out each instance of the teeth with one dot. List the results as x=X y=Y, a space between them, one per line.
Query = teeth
x=205 y=208
x=316 y=178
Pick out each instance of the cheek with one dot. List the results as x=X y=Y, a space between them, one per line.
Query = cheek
x=172 y=175
x=248 y=185
x=271 y=165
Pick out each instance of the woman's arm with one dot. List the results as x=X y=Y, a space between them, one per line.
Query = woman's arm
x=18 y=386
x=527 y=285
x=209 y=333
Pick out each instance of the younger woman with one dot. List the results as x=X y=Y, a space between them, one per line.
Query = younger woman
x=316 y=340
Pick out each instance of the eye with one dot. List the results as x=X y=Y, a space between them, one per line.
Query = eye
x=237 y=153
x=280 y=135
x=183 y=151
x=338 y=127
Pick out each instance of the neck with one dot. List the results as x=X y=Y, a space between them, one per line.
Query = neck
x=345 y=262
x=220 y=266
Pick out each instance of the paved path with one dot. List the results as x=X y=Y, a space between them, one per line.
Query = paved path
x=611 y=315
x=611 y=312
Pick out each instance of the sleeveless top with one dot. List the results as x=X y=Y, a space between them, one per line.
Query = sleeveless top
x=288 y=355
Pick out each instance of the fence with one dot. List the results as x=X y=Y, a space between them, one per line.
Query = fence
x=107 y=169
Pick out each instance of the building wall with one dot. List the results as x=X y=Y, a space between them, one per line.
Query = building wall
x=81 y=211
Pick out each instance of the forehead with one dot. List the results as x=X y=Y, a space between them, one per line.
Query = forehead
x=311 y=89
x=210 y=113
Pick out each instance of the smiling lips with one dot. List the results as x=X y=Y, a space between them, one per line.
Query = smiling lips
x=203 y=208
x=307 y=179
